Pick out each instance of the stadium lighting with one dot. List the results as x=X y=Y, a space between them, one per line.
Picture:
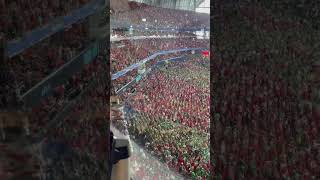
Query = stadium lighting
x=144 y=19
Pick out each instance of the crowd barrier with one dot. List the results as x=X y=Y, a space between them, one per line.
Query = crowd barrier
x=14 y=47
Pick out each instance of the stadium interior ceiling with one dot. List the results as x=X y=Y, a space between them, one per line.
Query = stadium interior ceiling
x=190 y=5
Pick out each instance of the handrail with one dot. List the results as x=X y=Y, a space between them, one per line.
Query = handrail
x=15 y=47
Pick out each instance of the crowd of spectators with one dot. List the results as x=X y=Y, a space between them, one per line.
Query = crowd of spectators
x=37 y=62
x=82 y=135
x=161 y=17
x=132 y=75
x=50 y=106
x=179 y=137
x=20 y=17
x=131 y=52
x=193 y=92
x=266 y=114
x=18 y=162
x=123 y=80
x=8 y=98
x=8 y=94
x=126 y=34
x=75 y=146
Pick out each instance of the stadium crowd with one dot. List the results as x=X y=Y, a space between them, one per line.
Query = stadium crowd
x=125 y=34
x=133 y=52
x=161 y=17
x=266 y=115
x=83 y=131
x=74 y=145
x=82 y=135
x=20 y=17
x=181 y=137
x=8 y=94
x=123 y=80
x=50 y=106
x=35 y=63
x=19 y=162
x=193 y=92
x=132 y=75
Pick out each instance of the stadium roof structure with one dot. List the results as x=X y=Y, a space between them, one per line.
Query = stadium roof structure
x=190 y=5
